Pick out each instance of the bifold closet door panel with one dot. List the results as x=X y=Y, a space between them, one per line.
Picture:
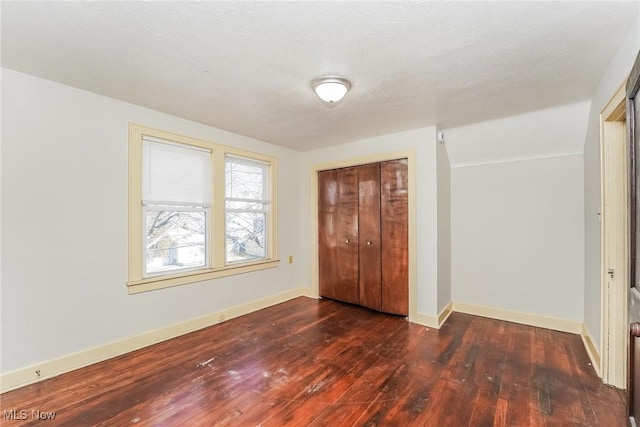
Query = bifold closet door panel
x=338 y=234
x=369 y=231
x=394 y=215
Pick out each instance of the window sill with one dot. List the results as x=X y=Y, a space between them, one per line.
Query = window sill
x=153 y=283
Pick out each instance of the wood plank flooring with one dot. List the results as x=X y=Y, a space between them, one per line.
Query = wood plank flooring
x=323 y=363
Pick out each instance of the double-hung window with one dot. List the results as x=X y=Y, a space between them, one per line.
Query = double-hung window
x=176 y=199
x=197 y=210
x=247 y=206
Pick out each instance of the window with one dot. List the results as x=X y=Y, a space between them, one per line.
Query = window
x=246 y=209
x=176 y=200
x=197 y=210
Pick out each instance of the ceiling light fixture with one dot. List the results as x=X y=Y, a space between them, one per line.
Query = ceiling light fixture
x=331 y=89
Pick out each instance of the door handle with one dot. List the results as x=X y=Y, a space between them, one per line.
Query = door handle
x=346 y=240
x=369 y=243
x=635 y=329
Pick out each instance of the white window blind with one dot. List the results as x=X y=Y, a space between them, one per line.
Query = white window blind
x=175 y=175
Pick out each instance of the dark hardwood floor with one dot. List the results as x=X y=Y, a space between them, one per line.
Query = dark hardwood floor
x=324 y=363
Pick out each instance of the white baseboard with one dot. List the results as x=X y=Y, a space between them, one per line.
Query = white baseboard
x=592 y=349
x=426 y=320
x=307 y=292
x=547 y=322
x=434 y=321
x=444 y=314
x=51 y=368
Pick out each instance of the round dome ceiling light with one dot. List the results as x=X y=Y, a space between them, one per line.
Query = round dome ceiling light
x=331 y=89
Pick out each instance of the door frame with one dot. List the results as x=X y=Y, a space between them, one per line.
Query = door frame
x=614 y=334
x=410 y=155
x=633 y=314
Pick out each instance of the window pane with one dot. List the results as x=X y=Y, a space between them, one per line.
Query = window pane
x=246 y=209
x=245 y=179
x=175 y=240
x=246 y=236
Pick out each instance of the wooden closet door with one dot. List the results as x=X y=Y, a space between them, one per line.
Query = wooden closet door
x=369 y=231
x=394 y=226
x=338 y=234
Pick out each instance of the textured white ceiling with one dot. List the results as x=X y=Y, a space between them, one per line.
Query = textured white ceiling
x=247 y=66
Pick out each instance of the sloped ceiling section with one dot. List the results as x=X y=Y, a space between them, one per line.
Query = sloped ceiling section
x=551 y=132
x=246 y=67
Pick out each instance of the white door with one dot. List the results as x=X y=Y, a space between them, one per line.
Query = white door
x=614 y=242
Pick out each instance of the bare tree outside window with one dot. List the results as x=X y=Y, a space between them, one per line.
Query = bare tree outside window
x=175 y=239
x=246 y=208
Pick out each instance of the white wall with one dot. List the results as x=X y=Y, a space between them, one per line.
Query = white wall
x=444 y=226
x=517 y=236
x=423 y=141
x=64 y=224
x=614 y=76
x=516 y=212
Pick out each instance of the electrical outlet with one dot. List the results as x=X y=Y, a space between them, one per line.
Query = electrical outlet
x=290 y=259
